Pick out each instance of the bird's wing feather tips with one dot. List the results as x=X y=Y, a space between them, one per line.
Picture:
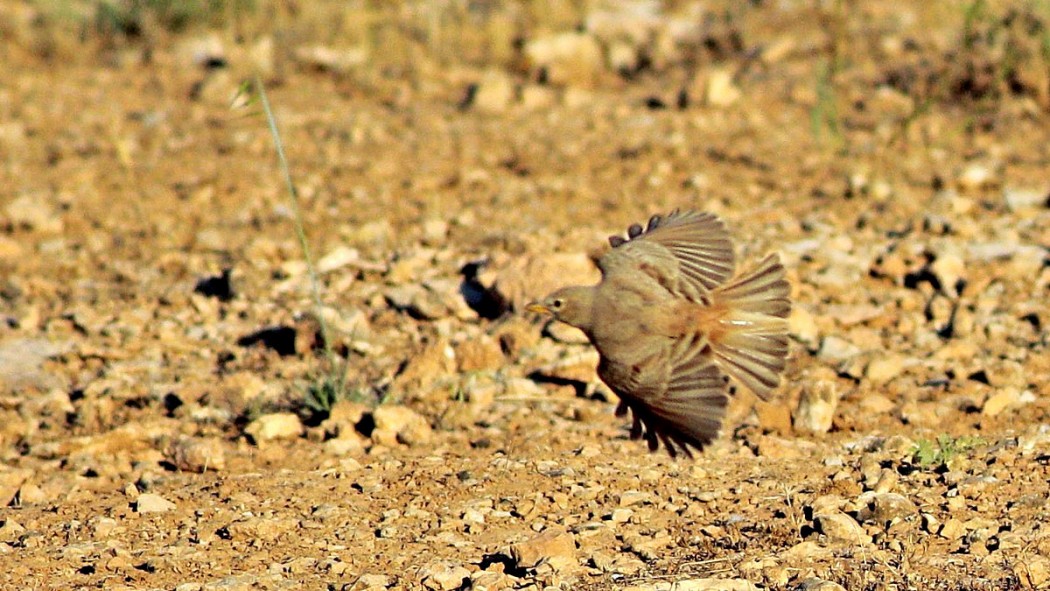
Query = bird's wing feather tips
x=698 y=242
x=689 y=411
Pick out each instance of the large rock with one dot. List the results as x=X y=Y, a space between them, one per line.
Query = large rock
x=554 y=547
x=194 y=454
x=576 y=366
x=885 y=508
x=840 y=527
x=444 y=576
x=817 y=403
x=394 y=423
x=34 y=212
x=479 y=353
x=281 y=425
x=427 y=372
x=566 y=59
x=151 y=503
x=494 y=93
x=21 y=362
x=529 y=278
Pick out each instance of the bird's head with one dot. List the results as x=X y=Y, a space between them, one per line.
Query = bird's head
x=571 y=305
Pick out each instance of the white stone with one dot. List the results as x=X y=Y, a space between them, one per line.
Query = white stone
x=495 y=92
x=721 y=90
x=151 y=503
x=1025 y=198
x=816 y=407
x=284 y=425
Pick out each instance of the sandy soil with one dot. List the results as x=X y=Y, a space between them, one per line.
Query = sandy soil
x=156 y=426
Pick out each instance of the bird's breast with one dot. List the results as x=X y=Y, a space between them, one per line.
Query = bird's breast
x=630 y=314
x=636 y=325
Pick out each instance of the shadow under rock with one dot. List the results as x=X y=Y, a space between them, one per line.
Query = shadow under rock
x=488 y=303
x=279 y=338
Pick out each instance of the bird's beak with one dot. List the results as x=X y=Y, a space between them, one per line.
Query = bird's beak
x=538 y=308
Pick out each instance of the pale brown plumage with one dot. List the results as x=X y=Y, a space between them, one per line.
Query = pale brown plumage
x=672 y=326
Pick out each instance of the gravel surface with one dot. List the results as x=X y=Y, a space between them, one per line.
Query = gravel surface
x=161 y=353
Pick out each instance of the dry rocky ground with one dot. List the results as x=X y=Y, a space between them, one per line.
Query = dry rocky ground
x=164 y=422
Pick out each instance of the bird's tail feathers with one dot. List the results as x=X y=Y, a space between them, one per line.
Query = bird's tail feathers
x=752 y=345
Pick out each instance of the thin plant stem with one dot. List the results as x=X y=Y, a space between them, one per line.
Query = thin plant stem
x=300 y=231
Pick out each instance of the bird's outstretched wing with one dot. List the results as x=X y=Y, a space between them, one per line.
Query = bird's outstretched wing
x=688 y=252
x=684 y=401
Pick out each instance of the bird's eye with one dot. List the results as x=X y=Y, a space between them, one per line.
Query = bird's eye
x=556 y=304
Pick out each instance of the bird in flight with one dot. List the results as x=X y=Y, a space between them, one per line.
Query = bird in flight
x=673 y=326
